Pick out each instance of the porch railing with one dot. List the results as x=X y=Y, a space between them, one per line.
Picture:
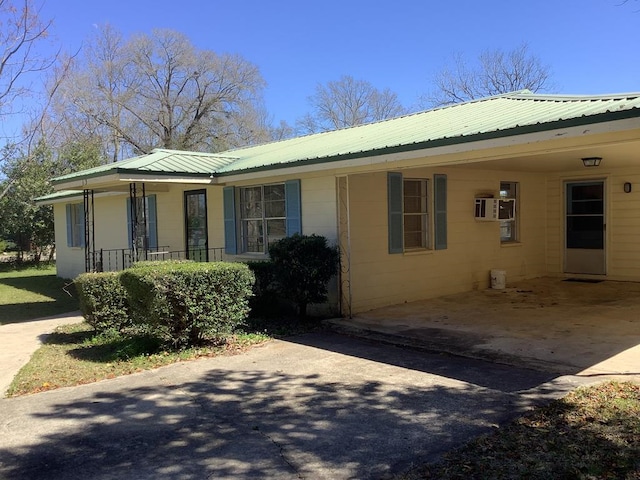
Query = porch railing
x=116 y=259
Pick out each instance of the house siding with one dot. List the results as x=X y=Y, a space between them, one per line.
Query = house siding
x=622 y=217
x=379 y=278
x=69 y=260
x=319 y=207
x=110 y=232
x=318 y=216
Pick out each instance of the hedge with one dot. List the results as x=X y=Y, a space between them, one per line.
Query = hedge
x=302 y=268
x=188 y=303
x=103 y=301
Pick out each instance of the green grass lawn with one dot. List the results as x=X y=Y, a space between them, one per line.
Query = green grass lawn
x=32 y=292
x=74 y=355
x=592 y=433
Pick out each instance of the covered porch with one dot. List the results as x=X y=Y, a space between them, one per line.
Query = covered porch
x=572 y=327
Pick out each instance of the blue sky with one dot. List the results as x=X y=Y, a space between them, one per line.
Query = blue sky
x=591 y=46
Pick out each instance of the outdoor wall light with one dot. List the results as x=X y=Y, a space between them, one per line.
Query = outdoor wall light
x=627 y=187
x=591 y=161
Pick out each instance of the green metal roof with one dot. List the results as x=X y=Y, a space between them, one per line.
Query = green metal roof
x=59 y=196
x=492 y=117
x=159 y=161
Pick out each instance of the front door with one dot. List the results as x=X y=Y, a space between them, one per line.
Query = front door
x=585 y=228
x=195 y=205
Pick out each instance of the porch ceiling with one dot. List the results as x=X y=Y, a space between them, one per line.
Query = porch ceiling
x=621 y=155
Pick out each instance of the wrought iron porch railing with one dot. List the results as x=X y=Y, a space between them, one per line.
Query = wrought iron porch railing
x=116 y=259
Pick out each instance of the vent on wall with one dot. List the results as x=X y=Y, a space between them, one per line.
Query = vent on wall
x=495 y=209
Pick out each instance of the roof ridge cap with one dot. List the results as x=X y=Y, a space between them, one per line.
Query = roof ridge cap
x=169 y=151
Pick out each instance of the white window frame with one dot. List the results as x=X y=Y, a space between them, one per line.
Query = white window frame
x=263 y=219
x=77 y=225
x=510 y=190
x=425 y=231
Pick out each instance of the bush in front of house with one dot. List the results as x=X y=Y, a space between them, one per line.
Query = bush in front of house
x=189 y=303
x=302 y=268
x=159 y=263
x=265 y=301
x=103 y=301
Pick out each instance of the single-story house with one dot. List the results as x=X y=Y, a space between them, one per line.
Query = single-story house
x=422 y=205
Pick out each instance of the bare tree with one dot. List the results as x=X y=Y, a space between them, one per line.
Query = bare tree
x=159 y=90
x=495 y=72
x=347 y=102
x=21 y=32
x=282 y=131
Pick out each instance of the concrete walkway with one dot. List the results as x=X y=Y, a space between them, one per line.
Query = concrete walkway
x=20 y=340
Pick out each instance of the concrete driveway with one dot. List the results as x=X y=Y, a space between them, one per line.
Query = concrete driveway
x=315 y=406
x=570 y=327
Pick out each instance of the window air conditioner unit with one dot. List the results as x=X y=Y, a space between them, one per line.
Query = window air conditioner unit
x=495 y=209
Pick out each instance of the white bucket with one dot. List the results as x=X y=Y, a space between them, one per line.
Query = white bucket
x=498 y=279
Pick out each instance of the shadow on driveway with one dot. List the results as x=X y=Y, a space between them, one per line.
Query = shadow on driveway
x=315 y=406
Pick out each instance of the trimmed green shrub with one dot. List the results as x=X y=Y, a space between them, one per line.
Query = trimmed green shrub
x=265 y=301
x=189 y=303
x=159 y=263
x=103 y=301
x=303 y=266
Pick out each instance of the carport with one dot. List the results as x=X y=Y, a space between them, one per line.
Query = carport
x=571 y=326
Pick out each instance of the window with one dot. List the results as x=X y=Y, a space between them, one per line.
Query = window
x=413 y=224
x=256 y=216
x=196 y=229
x=75 y=225
x=146 y=223
x=263 y=216
x=415 y=214
x=509 y=227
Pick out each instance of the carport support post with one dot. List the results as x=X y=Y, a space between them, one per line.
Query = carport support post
x=344 y=243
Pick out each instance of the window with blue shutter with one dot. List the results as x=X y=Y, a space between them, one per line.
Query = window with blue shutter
x=256 y=216
x=410 y=215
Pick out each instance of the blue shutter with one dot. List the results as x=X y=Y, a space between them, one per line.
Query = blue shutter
x=81 y=224
x=394 y=200
x=129 y=237
x=230 y=230
x=152 y=220
x=293 y=206
x=440 y=211
x=69 y=226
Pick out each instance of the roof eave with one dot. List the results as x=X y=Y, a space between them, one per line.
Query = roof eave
x=116 y=175
x=445 y=142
